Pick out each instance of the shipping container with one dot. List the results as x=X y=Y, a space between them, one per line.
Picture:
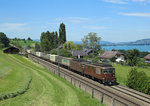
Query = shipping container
x=28 y=51
x=66 y=61
x=39 y=54
x=53 y=58
x=58 y=59
x=45 y=56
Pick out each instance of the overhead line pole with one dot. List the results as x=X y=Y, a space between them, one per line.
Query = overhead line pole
x=58 y=52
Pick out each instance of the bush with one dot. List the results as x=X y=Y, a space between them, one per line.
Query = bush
x=138 y=81
x=65 y=53
x=141 y=63
x=2 y=45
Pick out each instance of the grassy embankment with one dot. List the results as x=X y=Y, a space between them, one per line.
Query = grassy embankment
x=45 y=88
x=22 y=43
x=122 y=72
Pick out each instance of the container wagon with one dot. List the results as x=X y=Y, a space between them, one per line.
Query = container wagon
x=53 y=58
x=66 y=61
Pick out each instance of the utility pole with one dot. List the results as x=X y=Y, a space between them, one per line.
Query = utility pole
x=58 y=52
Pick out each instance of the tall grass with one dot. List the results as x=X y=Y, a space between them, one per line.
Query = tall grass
x=122 y=71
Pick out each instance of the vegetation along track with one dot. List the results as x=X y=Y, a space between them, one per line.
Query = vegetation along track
x=111 y=91
x=46 y=89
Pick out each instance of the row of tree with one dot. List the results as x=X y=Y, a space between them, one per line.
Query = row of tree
x=4 y=41
x=19 y=39
x=50 y=40
x=138 y=81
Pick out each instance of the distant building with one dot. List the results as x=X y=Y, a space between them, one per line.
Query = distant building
x=88 y=51
x=78 y=54
x=147 y=58
x=109 y=55
x=12 y=50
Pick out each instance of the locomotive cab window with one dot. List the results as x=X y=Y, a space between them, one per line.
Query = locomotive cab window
x=108 y=71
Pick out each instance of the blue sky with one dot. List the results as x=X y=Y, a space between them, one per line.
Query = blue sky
x=112 y=20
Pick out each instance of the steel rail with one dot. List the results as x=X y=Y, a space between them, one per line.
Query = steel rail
x=92 y=84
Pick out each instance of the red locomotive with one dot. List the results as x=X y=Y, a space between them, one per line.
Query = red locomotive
x=101 y=72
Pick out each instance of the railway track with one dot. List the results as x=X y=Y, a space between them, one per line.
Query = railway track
x=121 y=94
x=134 y=93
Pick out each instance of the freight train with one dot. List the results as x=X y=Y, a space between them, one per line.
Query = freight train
x=103 y=73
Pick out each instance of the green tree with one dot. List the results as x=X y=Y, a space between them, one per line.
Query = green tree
x=29 y=39
x=4 y=40
x=55 y=39
x=49 y=41
x=132 y=57
x=37 y=47
x=69 y=45
x=54 y=51
x=1 y=46
x=65 y=53
x=79 y=47
x=91 y=41
x=138 y=81
x=62 y=33
x=131 y=78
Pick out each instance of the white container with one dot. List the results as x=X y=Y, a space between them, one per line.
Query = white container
x=53 y=58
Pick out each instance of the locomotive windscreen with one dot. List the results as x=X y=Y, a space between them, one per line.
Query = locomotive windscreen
x=109 y=71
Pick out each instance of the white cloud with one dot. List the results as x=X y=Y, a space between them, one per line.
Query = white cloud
x=72 y=19
x=136 y=14
x=95 y=27
x=140 y=0
x=126 y=1
x=14 y=27
x=116 y=1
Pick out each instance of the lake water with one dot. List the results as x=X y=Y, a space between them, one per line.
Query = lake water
x=139 y=47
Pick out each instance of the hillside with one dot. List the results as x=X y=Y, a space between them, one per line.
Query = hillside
x=107 y=43
x=141 y=42
x=23 y=43
x=101 y=42
x=26 y=83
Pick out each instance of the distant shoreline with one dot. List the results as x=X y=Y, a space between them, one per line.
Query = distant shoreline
x=142 y=48
x=127 y=45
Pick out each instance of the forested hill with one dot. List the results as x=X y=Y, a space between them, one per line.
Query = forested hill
x=138 y=42
x=141 y=42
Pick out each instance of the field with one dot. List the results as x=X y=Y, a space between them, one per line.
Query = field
x=122 y=72
x=22 y=43
x=24 y=83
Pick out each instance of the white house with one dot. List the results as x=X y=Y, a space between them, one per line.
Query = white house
x=108 y=55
